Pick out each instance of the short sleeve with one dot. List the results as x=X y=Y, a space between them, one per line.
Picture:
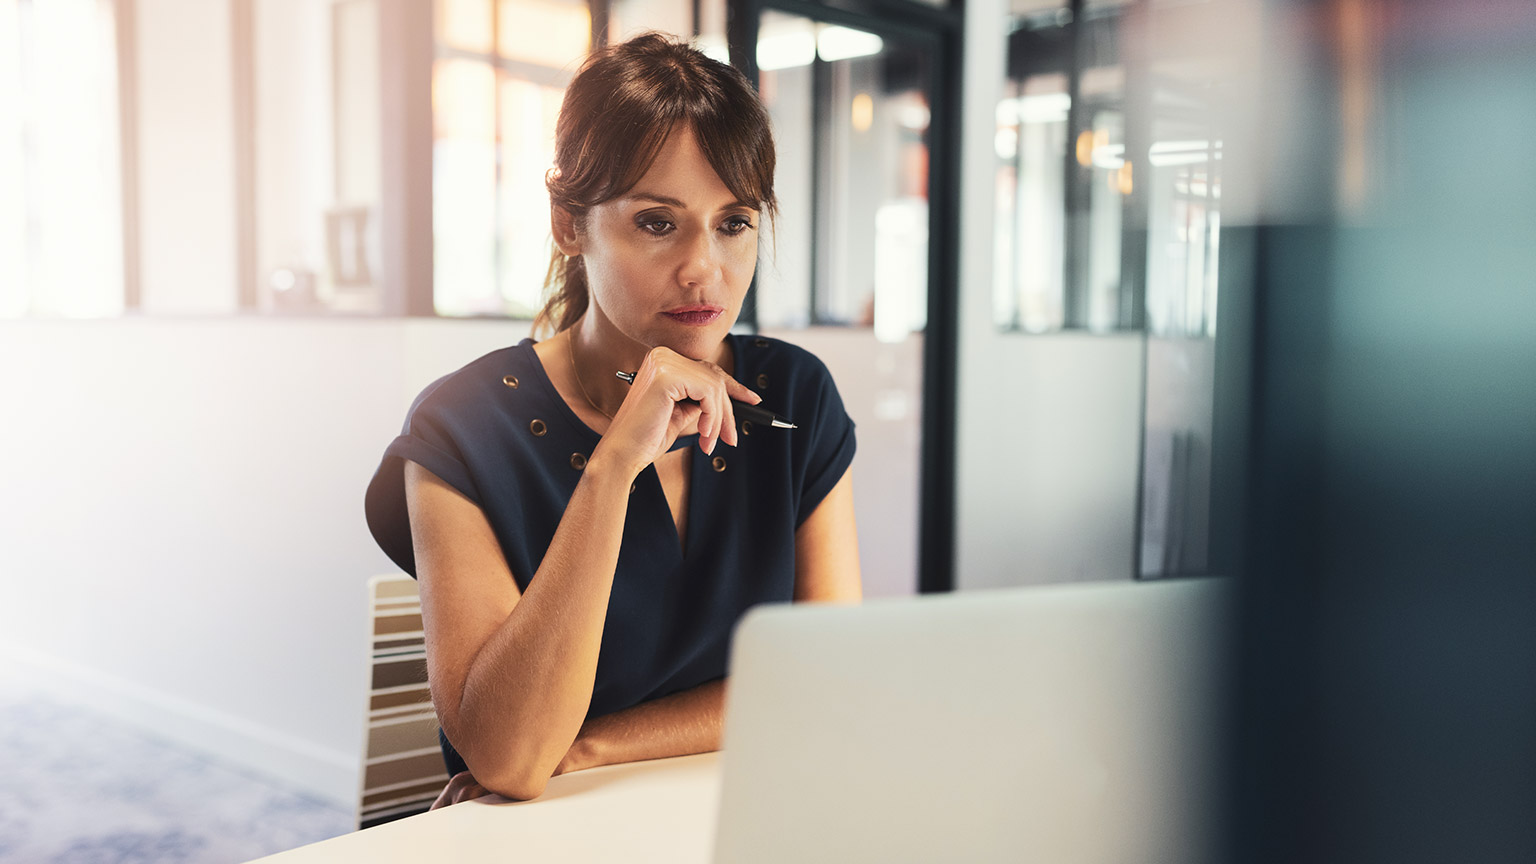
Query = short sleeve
x=831 y=448
x=427 y=439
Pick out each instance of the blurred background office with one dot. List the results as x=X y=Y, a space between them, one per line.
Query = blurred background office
x=1114 y=289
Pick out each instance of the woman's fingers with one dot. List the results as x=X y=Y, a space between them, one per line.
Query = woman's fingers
x=740 y=392
x=685 y=416
x=706 y=384
x=709 y=414
x=725 y=429
x=700 y=393
x=728 y=418
x=716 y=420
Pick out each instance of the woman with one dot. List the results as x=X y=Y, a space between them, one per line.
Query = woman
x=584 y=545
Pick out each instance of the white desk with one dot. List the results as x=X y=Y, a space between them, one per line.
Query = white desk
x=661 y=811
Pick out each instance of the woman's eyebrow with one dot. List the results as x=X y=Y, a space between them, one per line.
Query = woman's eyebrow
x=674 y=202
x=659 y=199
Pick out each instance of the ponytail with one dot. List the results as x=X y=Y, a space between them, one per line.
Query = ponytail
x=565 y=293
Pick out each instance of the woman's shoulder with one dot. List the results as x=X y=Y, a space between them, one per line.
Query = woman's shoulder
x=785 y=374
x=768 y=354
x=473 y=387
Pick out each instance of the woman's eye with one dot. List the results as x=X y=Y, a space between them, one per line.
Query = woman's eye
x=655 y=226
x=737 y=224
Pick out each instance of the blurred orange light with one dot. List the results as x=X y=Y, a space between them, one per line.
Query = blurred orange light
x=1085 y=148
x=863 y=112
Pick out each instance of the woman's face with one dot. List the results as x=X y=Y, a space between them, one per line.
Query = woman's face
x=669 y=262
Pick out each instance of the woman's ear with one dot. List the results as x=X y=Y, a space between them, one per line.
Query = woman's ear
x=562 y=224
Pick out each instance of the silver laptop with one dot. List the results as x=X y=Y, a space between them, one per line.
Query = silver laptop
x=1071 y=723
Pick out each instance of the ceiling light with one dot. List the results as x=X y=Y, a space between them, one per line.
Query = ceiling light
x=835 y=43
x=785 y=51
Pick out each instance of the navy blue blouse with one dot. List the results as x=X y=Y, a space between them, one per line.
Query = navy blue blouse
x=498 y=432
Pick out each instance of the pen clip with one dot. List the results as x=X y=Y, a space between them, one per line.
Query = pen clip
x=628 y=377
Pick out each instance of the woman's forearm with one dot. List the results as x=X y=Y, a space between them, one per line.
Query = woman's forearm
x=529 y=687
x=681 y=724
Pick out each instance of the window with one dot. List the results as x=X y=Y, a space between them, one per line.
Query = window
x=500 y=73
x=61 y=244
x=1063 y=183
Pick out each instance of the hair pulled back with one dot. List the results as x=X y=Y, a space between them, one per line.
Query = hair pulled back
x=617 y=114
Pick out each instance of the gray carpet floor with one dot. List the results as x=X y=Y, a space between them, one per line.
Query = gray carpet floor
x=76 y=786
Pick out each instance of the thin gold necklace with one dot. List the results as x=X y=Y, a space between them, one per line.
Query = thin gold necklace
x=570 y=349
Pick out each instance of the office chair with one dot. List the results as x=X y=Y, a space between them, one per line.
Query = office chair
x=402 y=763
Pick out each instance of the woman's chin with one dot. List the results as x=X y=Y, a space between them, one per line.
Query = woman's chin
x=699 y=343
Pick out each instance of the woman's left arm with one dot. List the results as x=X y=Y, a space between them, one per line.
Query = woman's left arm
x=827 y=550
x=826 y=570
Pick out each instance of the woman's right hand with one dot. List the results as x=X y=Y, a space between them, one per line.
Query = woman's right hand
x=672 y=395
x=461 y=787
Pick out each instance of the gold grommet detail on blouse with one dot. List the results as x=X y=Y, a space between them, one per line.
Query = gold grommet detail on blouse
x=760 y=342
x=538 y=428
x=633 y=487
x=510 y=381
x=746 y=427
x=718 y=463
x=762 y=381
x=578 y=461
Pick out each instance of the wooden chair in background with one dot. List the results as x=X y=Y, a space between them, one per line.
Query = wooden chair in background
x=403 y=768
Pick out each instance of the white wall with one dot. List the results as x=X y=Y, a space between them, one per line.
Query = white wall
x=1048 y=458
x=1049 y=426
x=181 y=510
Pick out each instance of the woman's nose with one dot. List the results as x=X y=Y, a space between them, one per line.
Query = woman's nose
x=701 y=263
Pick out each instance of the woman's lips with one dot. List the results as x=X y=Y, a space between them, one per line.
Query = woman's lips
x=694 y=316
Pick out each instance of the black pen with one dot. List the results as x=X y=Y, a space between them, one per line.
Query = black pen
x=749 y=413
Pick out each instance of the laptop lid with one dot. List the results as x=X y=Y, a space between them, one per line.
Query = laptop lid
x=1071 y=723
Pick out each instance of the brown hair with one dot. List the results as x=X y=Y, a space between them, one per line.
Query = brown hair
x=616 y=116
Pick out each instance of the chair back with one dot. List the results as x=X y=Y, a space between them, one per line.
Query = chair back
x=403 y=768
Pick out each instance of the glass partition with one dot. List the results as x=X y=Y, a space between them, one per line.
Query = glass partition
x=1182 y=217
x=1108 y=220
